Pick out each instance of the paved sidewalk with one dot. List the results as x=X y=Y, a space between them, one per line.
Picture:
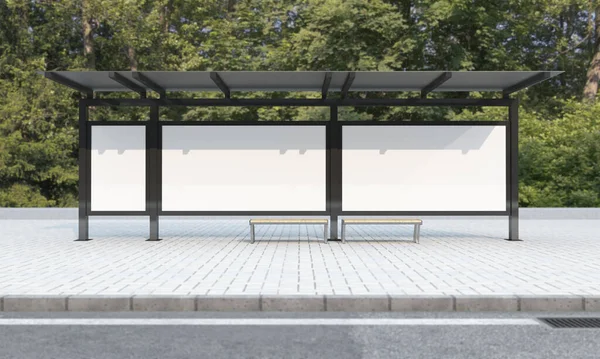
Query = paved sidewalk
x=214 y=257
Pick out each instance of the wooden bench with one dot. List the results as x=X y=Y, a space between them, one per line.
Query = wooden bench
x=416 y=222
x=254 y=222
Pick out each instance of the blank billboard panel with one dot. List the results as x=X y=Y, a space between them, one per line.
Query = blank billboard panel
x=118 y=181
x=424 y=168
x=243 y=168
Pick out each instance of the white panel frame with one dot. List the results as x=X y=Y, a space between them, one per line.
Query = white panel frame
x=243 y=168
x=118 y=168
x=424 y=168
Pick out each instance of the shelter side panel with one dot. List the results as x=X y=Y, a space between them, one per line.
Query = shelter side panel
x=243 y=168
x=118 y=168
x=424 y=168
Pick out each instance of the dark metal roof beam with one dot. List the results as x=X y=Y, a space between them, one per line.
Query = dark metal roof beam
x=436 y=83
x=221 y=84
x=301 y=102
x=139 y=76
x=348 y=83
x=542 y=76
x=69 y=83
x=115 y=76
x=326 y=83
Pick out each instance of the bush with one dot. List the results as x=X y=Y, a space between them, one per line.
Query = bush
x=559 y=159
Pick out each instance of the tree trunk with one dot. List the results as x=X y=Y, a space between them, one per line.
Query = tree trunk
x=88 y=39
x=164 y=16
x=593 y=75
x=407 y=12
x=133 y=64
x=230 y=5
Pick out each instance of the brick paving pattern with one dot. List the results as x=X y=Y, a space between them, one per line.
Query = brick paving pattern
x=214 y=256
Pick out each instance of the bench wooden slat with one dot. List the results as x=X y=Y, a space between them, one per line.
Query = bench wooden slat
x=383 y=221
x=286 y=221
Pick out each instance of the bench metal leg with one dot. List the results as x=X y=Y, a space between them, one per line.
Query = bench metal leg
x=343 y=232
x=326 y=232
x=251 y=233
x=416 y=233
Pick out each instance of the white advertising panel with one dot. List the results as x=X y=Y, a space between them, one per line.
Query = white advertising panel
x=424 y=168
x=243 y=168
x=118 y=181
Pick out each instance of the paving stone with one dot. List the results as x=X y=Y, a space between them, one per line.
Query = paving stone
x=199 y=256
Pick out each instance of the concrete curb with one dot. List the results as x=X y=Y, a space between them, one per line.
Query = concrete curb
x=357 y=303
x=552 y=303
x=422 y=303
x=163 y=303
x=500 y=303
x=228 y=303
x=35 y=303
x=93 y=303
x=285 y=303
x=300 y=303
x=591 y=303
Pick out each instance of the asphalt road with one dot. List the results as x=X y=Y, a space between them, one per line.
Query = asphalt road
x=337 y=339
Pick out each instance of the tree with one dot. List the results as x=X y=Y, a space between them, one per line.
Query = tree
x=38 y=119
x=593 y=74
x=87 y=21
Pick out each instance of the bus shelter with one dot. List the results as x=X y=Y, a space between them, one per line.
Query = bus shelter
x=298 y=168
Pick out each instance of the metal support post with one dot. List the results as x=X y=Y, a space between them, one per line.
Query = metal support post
x=513 y=170
x=153 y=171
x=416 y=233
x=334 y=183
x=84 y=172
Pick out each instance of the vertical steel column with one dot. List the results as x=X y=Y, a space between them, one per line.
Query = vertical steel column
x=84 y=173
x=328 y=130
x=513 y=167
x=152 y=171
x=334 y=149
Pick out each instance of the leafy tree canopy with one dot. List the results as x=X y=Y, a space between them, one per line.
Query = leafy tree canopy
x=560 y=135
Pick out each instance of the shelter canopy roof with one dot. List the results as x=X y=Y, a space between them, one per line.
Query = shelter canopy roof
x=321 y=81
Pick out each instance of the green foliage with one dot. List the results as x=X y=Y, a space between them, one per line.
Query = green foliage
x=559 y=158
x=347 y=34
x=38 y=137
